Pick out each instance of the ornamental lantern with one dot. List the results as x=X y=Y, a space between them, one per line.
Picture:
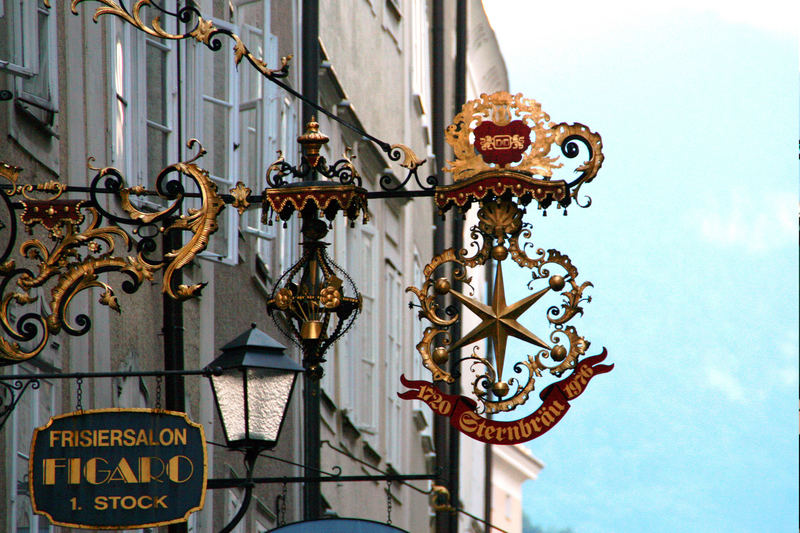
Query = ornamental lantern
x=253 y=381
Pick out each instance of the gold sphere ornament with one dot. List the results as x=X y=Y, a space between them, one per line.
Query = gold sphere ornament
x=557 y=283
x=441 y=286
x=499 y=252
x=500 y=389
x=558 y=353
x=440 y=355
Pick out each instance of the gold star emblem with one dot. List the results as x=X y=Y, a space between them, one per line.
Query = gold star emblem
x=499 y=321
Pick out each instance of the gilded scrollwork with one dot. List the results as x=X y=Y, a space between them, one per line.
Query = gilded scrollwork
x=204 y=30
x=80 y=252
x=500 y=108
x=504 y=143
x=497 y=236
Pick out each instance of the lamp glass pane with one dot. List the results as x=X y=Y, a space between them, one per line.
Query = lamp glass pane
x=229 y=389
x=268 y=395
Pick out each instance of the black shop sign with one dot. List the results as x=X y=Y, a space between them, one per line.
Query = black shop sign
x=118 y=468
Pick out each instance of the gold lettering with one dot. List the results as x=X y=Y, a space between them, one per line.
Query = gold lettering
x=468 y=422
x=101 y=503
x=514 y=430
x=102 y=438
x=160 y=502
x=524 y=428
x=131 y=502
x=90 y=471
x=53 y=435
x=86 y=438
x=114 y=500
x=50 y=466
x=141 y=503
x=74 y=471
x=168 y=440
x=67 y=436
x=123 y=472
x=180 y=436
x=146 y=474
x=142 y=438
x=116 y=437
x=173 y=469
x=130 y=437
x=490 y=433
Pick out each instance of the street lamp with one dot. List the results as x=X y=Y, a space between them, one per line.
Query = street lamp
x=252 y=381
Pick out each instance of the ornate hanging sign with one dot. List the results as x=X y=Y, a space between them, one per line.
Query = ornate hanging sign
x=118 y=468
x=488 y=137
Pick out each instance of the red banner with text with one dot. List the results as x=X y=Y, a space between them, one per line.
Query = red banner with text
x=555 y=397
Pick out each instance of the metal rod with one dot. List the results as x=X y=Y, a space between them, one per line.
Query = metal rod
x=227 y=483
x=91 y=375
x=368 y=465
x=250 y=463
x=400 y=194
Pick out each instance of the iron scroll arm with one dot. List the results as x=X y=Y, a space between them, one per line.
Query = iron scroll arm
x=11 y=394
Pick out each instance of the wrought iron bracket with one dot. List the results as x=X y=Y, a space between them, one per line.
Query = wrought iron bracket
x=13 y=386
x=10 y=395
x=228 y=483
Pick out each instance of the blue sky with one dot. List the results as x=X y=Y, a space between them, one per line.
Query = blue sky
x=692 y=245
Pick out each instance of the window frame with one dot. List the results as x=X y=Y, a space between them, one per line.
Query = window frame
x=37 y=397
x=393 y=355
x=25 y=62
x=224 y=183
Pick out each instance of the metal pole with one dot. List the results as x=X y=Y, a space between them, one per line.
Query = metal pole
x=312 y=496
x=459 y=96
x=441 y=433
x=173 y=309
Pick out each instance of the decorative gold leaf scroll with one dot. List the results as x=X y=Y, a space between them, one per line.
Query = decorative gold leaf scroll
x=537 y=161
x=79 y=254
x=497 y=236
x=203 y=32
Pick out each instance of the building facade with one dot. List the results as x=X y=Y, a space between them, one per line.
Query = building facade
x=79 y=89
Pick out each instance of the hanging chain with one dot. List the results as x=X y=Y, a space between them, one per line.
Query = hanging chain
x=282 y=508
x=388 y=502
x=158 y=393
x=79 y=394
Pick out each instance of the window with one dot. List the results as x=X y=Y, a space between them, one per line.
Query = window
x=18 y=56
x=121 y=112
x=267 y=124
x=232 y=505
x=393 y=357
x=159 y=107
x=420 y=55
x=28 y=52
x=33 y=410
x=218 y=124
x=144 y=103
x=244 y=122
x=36 y=95
x=363 y=267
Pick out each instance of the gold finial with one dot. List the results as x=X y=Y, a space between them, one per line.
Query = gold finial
x=312 y=140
